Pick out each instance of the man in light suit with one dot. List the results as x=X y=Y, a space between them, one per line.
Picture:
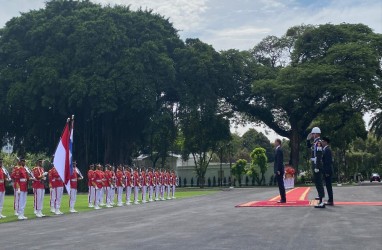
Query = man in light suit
x=279 y=170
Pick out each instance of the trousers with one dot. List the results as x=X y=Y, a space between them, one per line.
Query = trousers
x=22 y=201
x=58 y=192
x=157 y=191
x=136 y=189
x=119 y=195
x=280 y=183
x=91 y=195
x=73 y=198
x=144 y=191
x=128 y=194
x=38 y=198
x=329 y=188
x=318 y=182
x=2 y=194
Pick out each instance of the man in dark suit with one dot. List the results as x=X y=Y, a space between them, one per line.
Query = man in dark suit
x=327 y=161
x=279 y=170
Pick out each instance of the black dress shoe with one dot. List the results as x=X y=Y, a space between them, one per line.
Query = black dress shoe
x=321 y=205
x=281 y=201
x=329 y=203
x=317 y=198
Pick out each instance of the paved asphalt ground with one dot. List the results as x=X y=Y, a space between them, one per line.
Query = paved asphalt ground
x=210 y=222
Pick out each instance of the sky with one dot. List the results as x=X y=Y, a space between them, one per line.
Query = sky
x=237 y=24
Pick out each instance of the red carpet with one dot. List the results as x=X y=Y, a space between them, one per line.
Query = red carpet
x=297 y=197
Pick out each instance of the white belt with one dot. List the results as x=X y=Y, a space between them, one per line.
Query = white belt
x=1 y=181
x=98 y=180
x=73 y=179
x=23 y=180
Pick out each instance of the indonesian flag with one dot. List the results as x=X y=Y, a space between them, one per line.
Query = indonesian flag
x=61 y=157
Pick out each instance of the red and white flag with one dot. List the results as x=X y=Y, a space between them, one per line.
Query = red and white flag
x=61 y=158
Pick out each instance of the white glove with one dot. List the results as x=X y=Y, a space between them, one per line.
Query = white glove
x=309 y=137
x=45 y=174
x=314 y=160
x=316 y=170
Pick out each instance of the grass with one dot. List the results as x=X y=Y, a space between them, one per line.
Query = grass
x=81 y=203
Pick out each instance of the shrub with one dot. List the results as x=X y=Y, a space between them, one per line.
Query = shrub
x=214 y=182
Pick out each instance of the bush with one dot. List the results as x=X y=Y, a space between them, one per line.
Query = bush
x=185 y=182
x=214 y=182
x=209 y=181
x=246 y=180
x=180 y=181
x=192 y=181
x=225 y=181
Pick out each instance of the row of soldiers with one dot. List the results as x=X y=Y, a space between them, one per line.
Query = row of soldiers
x=21 y=175
x=103 y=184
x=122 y=182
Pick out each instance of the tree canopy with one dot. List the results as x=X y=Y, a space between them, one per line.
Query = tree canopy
x=293 y=79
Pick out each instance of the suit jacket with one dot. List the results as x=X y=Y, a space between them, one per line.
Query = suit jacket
x=279 y=161
x=327 y=161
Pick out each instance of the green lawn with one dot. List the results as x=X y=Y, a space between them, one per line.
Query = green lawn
x=82 y=203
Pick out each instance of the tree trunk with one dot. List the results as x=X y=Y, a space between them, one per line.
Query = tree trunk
x=295 y=140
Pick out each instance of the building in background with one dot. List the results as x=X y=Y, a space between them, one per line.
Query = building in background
x=185 y=170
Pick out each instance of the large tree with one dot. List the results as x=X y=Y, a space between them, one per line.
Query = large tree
x=287 y=82
x=202 y=123
x=110 y=66
x=253 y=139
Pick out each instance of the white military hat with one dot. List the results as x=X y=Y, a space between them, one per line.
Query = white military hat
x=316 y=130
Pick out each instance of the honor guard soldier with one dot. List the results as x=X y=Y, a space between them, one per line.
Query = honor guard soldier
x=98 y=185
x=327 y=162
x=157 y=180
x=58 y=187
x=74 y=178
x=4 y=176
x=137 y=185
x=107 y=182
x=20 y=179
x=163 y=184
x=150 y=177
x=51 y=191
x=120 y=183
x=168 y=184
x=39 y=188
x=129 y=184
x=144 y=184
x=316 y=160
x=174 y=183
x=112 y=185
x=101 y=203
x=91 y=188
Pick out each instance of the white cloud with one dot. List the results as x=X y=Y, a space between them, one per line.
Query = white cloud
x=275 y=17
x=244 y=32
x=185 y=14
